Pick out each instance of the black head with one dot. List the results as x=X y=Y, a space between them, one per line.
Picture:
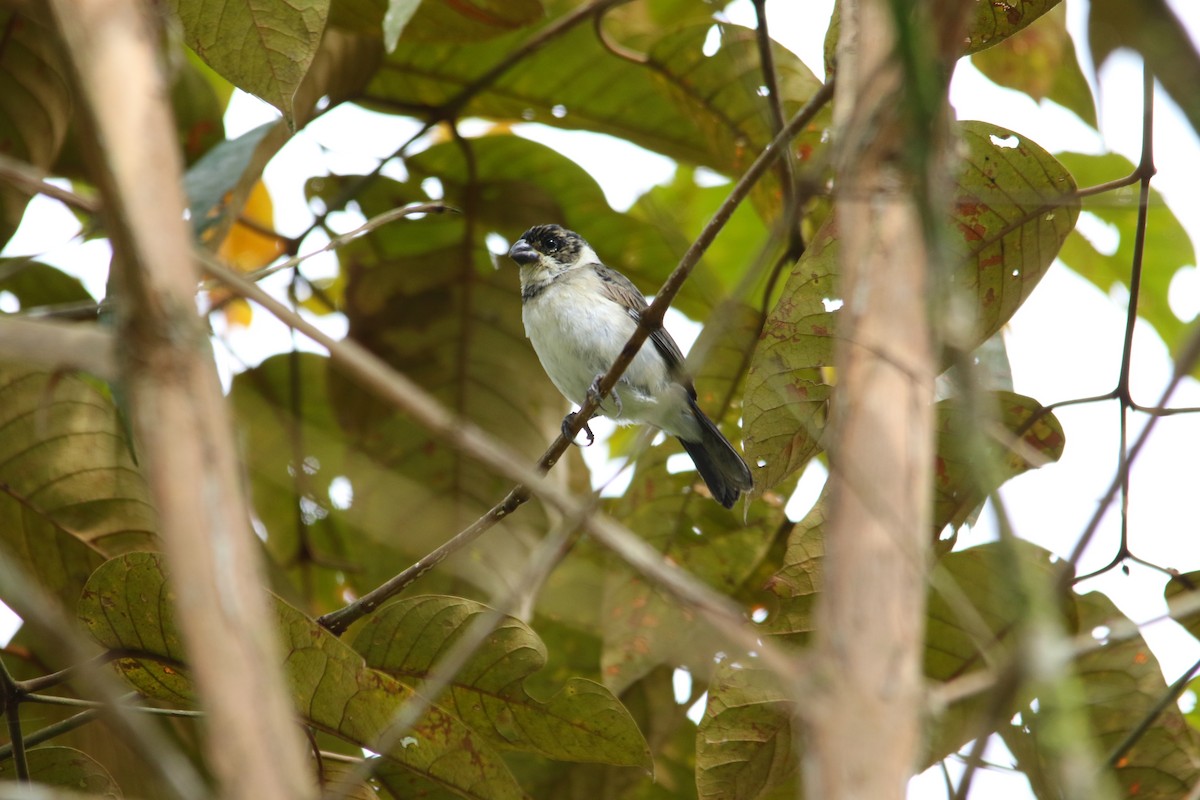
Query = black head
x=554 y=242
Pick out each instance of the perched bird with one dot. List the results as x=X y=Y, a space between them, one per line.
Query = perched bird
x=578 y=315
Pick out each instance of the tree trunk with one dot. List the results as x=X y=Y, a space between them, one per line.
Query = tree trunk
x=181 y=425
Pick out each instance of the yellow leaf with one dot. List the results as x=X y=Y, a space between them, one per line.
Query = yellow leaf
x=246 y=247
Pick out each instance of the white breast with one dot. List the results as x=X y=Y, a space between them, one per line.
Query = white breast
x=577 y=333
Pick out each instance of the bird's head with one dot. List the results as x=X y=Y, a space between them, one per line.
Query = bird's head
x=544 y=251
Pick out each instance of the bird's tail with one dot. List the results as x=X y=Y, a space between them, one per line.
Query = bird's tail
x=723 y=470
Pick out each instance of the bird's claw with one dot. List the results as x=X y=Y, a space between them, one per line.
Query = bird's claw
x=595 y=396
x=568 y=420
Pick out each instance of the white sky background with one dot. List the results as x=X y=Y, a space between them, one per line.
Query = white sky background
x=1065 y=342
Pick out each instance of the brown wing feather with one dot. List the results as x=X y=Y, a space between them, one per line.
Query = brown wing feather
x=622 y=291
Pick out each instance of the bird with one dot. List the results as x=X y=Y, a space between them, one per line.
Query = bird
x=578 y=315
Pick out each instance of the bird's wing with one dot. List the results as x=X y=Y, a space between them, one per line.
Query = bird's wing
x=622 y=292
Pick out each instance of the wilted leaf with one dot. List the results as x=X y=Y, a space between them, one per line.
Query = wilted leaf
x=1041 y=62
x=71 y=492
x=261 y=47
x=1013 y=208
x=1166 y=250
x=129 y=605
x=35 y=105
x=582 y=721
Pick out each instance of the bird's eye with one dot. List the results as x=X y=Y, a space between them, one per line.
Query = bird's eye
x=553 y=244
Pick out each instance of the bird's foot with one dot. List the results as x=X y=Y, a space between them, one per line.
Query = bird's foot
x=593 y=393
x=568 y=420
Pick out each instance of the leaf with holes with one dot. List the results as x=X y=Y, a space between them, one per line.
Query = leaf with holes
x=70 y=492
x=262 y=47
x=128 y=606
x=582 y=721
x=1014 y=206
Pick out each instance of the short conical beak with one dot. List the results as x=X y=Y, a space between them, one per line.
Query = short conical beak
x=523 y=253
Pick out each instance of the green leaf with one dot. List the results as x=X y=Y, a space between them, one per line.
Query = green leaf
x=684 y=104
x=341 y=69
x=36 y=284
x=217 y=185
x=1180 y=585
x=643 y=627
x=1152 y=29
x=992 y=23
x=963 y=478
x=746 y=743
x=582 y=721
x=71 y=492
x=399 y=12
x=1041 y=62
x=129 y=605
x=35 y=105
x=262 y=47
x=974 y=610
x=1167 y=248
x=1123 y=684
x=65 y=768
x=1013 y=208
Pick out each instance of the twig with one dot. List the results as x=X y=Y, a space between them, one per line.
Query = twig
x=12 y=696
x=377 y=221
x=339 y=620
x=374 y=374
x=30 y=179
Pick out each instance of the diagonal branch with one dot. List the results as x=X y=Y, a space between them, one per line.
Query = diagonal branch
x=338 y=621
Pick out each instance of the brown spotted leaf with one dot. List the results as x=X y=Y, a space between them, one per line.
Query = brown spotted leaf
x=1014 y=206
x=128 y=605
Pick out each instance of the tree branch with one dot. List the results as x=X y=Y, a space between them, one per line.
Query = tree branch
x=179 y=415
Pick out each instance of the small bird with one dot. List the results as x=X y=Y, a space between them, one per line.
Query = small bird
x=578 y=315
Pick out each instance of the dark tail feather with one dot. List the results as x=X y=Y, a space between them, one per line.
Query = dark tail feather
x=723 y=470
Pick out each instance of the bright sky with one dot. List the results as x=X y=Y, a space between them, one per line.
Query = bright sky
x=1064 y=342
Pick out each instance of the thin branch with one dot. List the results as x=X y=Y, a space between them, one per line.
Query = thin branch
x=374 y=374
x=59 y=345
x=75 y=702
x=12 y=696
x=1170 y=696
x=339 y=620
x=33 y=180
x=53 y=731
x=377 y=221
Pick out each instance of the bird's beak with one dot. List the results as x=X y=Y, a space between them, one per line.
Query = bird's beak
x=523 y=253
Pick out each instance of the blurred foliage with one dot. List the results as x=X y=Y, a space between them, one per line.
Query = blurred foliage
x=571 y=696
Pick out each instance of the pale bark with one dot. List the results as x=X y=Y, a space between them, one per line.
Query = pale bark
x=865 y=732
x=180 y=421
